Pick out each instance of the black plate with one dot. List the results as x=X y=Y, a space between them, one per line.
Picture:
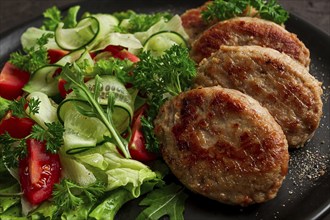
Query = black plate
x=305 y=193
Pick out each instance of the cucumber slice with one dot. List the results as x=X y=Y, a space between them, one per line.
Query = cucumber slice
x=43 y=79
x=124 y=105
x=161 y=41
x=88 y=33
x=78 y=37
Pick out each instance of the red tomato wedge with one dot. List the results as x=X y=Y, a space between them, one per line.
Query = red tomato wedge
x=136 y=146
x=16 y=127
x=55 y=55
x=121 y=53
x=61 y=88
x=38 y=172
x=12 y=80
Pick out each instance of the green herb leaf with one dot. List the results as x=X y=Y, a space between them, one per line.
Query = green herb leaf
x=169 y=74
x=160 y=78
x=67 y=195
x=167 y=201
x=74 y=77
x=270 y=10
x=53 y=135
x=52 y=18
x=226 y=9
x=34 y=57
x=11 y=152
x=114 y=66
x=131 y=22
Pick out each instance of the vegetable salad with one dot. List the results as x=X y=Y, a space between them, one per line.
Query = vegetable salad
x=77 y=108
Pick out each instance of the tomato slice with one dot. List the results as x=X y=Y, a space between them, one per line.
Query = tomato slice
x=12 y=80
x=137 y=146
x=16 y=127
x=55 y=55
x=38 y=172
x=121 y=53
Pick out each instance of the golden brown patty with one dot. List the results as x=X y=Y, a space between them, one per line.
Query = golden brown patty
x=223 y=144
x=279 y=83
x=193 y=22
x=249 y=31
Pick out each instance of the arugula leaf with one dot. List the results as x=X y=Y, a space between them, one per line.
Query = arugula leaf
x=131 y=22
x=225 y=9
x=67 y=195
x=34 y=57
x=167 y=201
x=75 y=80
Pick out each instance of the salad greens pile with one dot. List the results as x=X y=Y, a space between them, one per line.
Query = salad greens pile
x=89 y=127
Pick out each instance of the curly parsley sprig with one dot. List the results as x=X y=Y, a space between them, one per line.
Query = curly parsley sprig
x=160 y=78
x=225 y=9
x=32 y=58
x=14 y=149
x=67 y=195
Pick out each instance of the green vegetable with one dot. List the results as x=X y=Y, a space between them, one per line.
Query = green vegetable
x=225 y=9
x=114 y=66
x=110 y=206
x=18 y=107
x=34 y=57
x=51 y=132
x=159 y=42
x=9 y=196
x=160 y=78
x=270 y=10
x=53 y=17
x=67 y=195
x=53 y=135
x=13 y=213
x=74 y=77
x=4 y=107
x=45 y=210
x=131 y=22
x=167 y=201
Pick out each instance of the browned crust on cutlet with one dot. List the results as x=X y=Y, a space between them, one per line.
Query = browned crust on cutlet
x=249 y=31
x=279 y=83
x=193 y=22
x=223 y=144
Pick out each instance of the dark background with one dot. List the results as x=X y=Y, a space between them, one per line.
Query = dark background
x=16 y=12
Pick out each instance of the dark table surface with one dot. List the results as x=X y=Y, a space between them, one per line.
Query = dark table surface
x=15 y=12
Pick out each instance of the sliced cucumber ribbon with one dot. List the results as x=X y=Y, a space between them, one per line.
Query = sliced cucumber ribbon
x=175 y=24
x=88 y=33
x=83 y=133
x=161 y=41
x=43 y=79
